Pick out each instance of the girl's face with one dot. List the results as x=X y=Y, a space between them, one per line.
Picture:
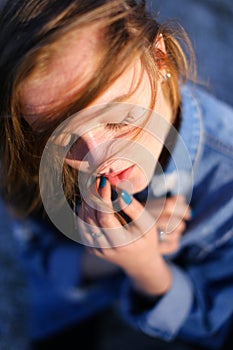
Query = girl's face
x=105 y=144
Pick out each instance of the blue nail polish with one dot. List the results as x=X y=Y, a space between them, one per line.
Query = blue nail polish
x=126 y=197
x=103 y=182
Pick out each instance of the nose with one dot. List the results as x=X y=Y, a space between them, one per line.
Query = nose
x=91 y=148
x=94 y=146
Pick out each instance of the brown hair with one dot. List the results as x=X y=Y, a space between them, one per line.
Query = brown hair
x=30 y=31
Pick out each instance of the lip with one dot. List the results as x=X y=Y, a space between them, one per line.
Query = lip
x=115 y=177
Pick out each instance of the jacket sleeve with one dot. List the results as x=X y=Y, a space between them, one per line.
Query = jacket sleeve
x=198 y=305
x=53 y=269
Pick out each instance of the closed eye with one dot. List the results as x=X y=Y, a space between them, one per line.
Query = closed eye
x=128 y=121
x=116 y=126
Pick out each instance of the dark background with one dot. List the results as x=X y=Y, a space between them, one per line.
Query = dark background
x=209 y=24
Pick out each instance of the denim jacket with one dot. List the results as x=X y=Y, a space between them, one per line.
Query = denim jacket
x=199 y=305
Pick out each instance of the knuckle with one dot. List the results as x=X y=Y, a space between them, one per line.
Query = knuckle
x=182 y=226
x=105 y=220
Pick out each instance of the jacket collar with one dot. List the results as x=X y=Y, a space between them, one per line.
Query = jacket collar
x=177 y=177
x=187 y=149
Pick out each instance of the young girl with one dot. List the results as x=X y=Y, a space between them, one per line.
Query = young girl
x=118 y=175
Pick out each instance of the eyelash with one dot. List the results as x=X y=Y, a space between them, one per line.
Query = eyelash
x=115 y=126
x=129 y=121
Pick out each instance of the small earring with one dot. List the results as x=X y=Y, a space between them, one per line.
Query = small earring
x=167 y=76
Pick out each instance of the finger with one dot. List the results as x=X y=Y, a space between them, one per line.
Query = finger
x=169 y=237
x=104 y=189
x=116 y=234
x=93 y=204
x=113 y=233
x=139 y=216
x=177 y=205
x=106 y=214
x=170 y=242
x=168 y=247
x=171 y=224
x=89 y=231
x=86 y=214
x=111 y=222
x=91 y=236
x=184 y=208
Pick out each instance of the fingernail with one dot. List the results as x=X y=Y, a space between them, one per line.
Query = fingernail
x=103 y=182
x=126 y=197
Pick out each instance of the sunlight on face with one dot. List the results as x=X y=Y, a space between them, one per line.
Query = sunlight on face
x=128 y=162
x=125 y=152
x=107 y=143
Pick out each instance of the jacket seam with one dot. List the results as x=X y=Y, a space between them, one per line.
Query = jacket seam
x=218 y=145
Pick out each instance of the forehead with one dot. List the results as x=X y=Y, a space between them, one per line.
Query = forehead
x=70 y=66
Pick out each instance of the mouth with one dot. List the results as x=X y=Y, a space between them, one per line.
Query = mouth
x=115 y=177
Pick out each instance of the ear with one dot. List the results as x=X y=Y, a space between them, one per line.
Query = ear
x=160 y=44
x=161 y=54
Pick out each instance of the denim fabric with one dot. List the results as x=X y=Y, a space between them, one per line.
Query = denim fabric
x=199 y=305
x=58 y=296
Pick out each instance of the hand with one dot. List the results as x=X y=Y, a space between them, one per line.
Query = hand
x=171 y=215
x=134 y=247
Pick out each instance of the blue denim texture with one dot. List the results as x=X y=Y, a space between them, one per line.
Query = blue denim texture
x=199 y=305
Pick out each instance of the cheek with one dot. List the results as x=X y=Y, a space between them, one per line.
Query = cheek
x=140 y=180
x=151 y=147
x=149 y=150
